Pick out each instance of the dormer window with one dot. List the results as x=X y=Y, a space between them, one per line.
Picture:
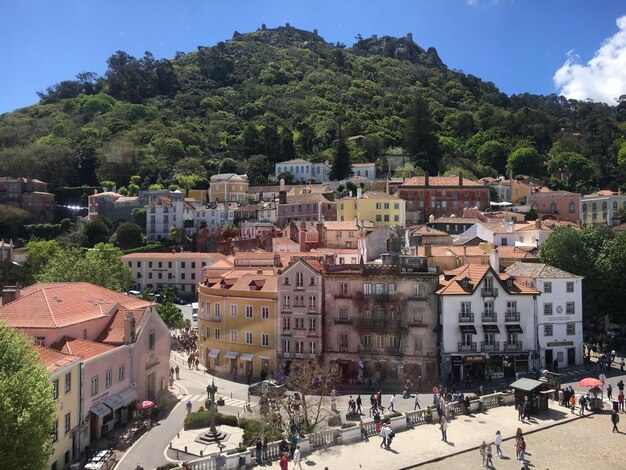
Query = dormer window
x=464 y=283
x=509 y=283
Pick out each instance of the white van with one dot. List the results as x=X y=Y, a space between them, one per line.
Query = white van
x=194 y=311
x=136 y=293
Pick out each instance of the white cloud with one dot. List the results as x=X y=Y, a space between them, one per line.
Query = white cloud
x=603 y=78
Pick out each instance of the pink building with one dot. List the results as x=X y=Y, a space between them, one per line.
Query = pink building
x=121 y=340
x=562 y=205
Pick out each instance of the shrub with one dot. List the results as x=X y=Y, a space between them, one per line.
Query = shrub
x=334 y=420
x=348 y=425
x=253 y=428
x=202 y=419
x=393 y=414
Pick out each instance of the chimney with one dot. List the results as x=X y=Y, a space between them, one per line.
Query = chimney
x=460 y=179
x=426 y=179
x=282 y=193
x=315 y=32
x=538 y=224
x=10 y=293
x=127 y=328
x=494 y=260
x=428 y=252
x=277 y=262
x=464 y=254
x=409 y=36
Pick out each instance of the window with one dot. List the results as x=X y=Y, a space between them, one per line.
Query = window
x=547 y=309
x=248 y=337
x=547 y=330
x=366 y=341
x=265 y=313
x=216 y=311
x=248 y=311
x=466 y=308
x=55 y=389
x=553 y=208
x=108 y=378
x=569 y=287
x=94 y=386
x=55 y=431
x=488 y=283
x=287 y=346
x=391 y=289
x=547 y=287
x=379 y=288
x=216 y=333
x=584 y=207
x=571 y=329
x=68 y=382
x=386 y=217
x=68 y=422
x=396 y=205
x=367 y=289
x=396 y=218
x=312 y=347
x=311 y=281
x=299 y=347
x=233 y=336
x=343 y=313
x=572 y=208
x=418 y=345
x=489 y=308
x=466 y=339
x=40 y=340
x=378 y=205
x=121 y=372
x=418 y=290
x=569 y=308
x=512 y=338
x=312 y=324
x=312 y=302
x=511 y=306
x=299 y=279
x=265 y=339
x=343 y=341
x=490 y=338
x=379 y=218
x=151 y=340
x=417 y=315
x=233 y=310
x=343 y=288
x=380 y=341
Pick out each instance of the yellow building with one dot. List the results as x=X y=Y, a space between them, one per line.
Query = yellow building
x=237 y=321
x=378 y=207
x=228 y=187
x=64 y=371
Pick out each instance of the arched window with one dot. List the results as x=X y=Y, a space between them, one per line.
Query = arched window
x=594 y=206
x=604 y=206
x=585 y=207
x=615 y=205
x=552 y=208
x=572 y=207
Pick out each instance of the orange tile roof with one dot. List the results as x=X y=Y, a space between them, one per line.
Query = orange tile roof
x=54 y=360
x=82 y=348
x=475 y=273
x=60 y=304
x=439 y=181
x=113 y=333
x=191 y=255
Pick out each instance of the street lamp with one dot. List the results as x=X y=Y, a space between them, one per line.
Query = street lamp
x=506 y=363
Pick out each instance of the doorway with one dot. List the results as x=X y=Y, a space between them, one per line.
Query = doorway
x=151 y=386
x=549 y=359
x=571 y=357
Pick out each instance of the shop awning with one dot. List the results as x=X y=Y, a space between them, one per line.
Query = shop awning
x=468 y=329
x=527 y=385
x=214 y=352
x=514 y=328
x=247 y=357
x=231 y=354
x=491 y=329
x=121 y=399
x=100 y=409
x=114 y=402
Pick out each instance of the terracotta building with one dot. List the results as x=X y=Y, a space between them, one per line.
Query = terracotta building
x=28 y=194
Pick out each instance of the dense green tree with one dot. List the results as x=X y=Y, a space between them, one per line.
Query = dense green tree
x=40 y=253
x=28 y=407
x=272 y=143
x=171 y=315
x=257 y=169
x=101 y=265
x=97 y=230
x=11 y=220
x=128 y=235
x=228 y=165
x=252 y=143
x=287 y=176
x=523 y=161
x=139 y=217
x=493 y=154
x=12 y=274
x=287 y=147
x=574 y=165
x=420 y=140
x=342 y=165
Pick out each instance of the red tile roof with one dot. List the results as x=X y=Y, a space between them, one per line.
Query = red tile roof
x=187 y=255
x=475 y=273
x=60 y=304
x=82 y=348
x=113 y=333
x=54 y=360
x=439 y=181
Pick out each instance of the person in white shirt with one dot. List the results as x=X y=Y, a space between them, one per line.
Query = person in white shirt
x=297 y=458
x=391 y=402
x=498 y=443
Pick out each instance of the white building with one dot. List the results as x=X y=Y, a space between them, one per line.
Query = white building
x=560 y=312
x=364 y=170
x=214 y=216
x=163 y=213
x=303 y=170
x=500 y=233
x=157 y=271
x=488 y=323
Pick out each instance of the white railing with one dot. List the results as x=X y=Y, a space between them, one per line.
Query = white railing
x=322 y=439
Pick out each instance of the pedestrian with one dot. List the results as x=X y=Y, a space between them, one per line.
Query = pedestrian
x=189 y=405
x=249 y=376
x=520 y=410
x=443 y=426
x=582 y=402
x=359 y=402
x=297 y=458
x=264 y=449
x=379 y=400
x=377 y=421
x=572 y=402
x=392 y=399
x=417 y=402
x=333 y=400
x=488 y=451
x=621 y=365
x=284 y=462
x=527 y=406
x=177 y=370
x=171 y=372
x=498 y=443
x=293 y=444
x=383 y=435
x=483 y=453
x=620 y=400
x=609 y=392
x=235 y=374
x=522 y=449
x=615 y=420
x=561 y=396
x=197 y=363
x=259 y=450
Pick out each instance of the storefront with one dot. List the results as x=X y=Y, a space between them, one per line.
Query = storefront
x=119 y=405
x=99 y=417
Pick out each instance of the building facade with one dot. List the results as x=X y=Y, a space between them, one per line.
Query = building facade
x=228 y=187
x=301 y=309
x=303 y=170
x=305 y=207
x=28 y=194
x=379 y=321
x=488 y=324
x=600 y=208
x=364 y=170
x=380 y=208
x=563 y=205
x=560 y=313
x=163 y=213
x=439 y=196
x=237 y=323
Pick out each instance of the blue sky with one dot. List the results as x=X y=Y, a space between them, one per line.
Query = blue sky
x=539 y=46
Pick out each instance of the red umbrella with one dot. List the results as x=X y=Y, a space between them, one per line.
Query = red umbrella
x=591 y=382
x=144 y=404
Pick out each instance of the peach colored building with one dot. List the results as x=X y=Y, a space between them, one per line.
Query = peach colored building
x=563 y=205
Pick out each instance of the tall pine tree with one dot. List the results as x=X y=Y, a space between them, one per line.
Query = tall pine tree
x=342 y=166
x=420 y=140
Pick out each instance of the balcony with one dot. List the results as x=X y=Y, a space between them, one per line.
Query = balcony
x=488 y=347
x=512 y=316
x=342 y=321
x=343 y=348
x=214 y=319
x=343 y=295
x=467 y=347
x=465 y=317
x=517 y=346
x=493 y=292
x=378 y=324
x=489 y=317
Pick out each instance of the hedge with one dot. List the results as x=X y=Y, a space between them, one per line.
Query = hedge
x=202 y=419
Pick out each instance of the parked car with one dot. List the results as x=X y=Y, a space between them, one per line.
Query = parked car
x=180 y=301
x=273 y=388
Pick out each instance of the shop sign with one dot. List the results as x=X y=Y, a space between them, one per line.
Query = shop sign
x=457 y=360
x=474 y=359
x=553 y=344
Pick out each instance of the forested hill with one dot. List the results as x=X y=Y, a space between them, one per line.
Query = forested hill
x=271 y=95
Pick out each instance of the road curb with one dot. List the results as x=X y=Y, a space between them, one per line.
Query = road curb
x=468 y=449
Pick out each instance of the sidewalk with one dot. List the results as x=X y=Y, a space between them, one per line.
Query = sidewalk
x=423 y=444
